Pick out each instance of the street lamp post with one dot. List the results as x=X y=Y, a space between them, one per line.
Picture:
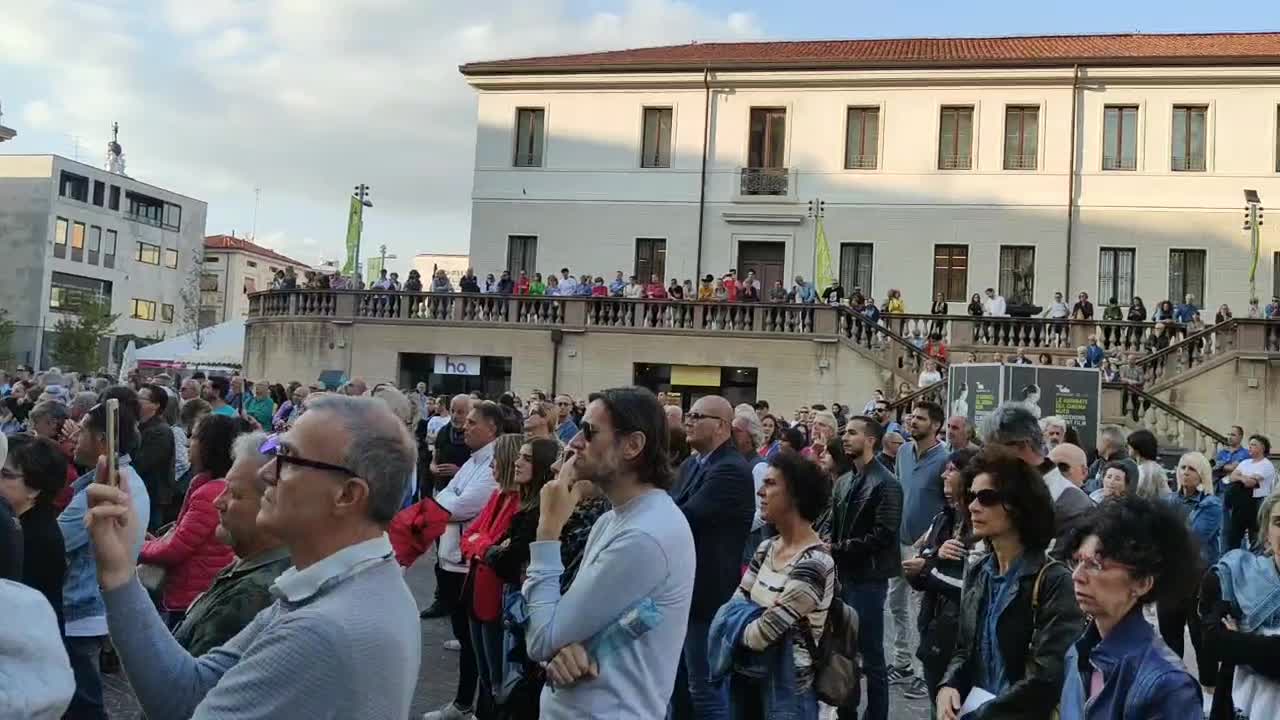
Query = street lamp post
x=362 y=194
x=1253 y=223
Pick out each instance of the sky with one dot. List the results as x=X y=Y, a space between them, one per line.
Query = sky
x=299 y=100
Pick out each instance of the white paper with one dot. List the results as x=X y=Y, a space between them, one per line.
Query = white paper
x=977 y=698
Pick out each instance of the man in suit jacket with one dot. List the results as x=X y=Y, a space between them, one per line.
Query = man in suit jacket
x=715 y=493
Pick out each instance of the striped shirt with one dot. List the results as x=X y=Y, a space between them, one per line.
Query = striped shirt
x=802 y=587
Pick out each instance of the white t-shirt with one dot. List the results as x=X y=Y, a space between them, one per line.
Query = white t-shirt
x=1261 y=467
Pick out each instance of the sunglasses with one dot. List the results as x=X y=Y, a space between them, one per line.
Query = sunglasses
x=271 y=448
x=1064 y=468
x=694 y=417
x=985 y=498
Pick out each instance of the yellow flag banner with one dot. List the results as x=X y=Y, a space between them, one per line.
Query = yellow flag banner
x=824 y=274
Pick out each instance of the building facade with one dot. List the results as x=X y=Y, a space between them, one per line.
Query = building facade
x=454 y=266
x=233 y=268
x=1108 y=164
x=72 y=232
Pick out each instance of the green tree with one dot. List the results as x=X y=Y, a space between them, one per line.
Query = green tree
x=77 y=341
x=6 y=338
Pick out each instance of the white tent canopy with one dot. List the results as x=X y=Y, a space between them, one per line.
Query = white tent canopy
x=221 y=345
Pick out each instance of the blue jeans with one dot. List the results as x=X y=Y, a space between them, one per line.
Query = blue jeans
x=486 y=640
x=86 y=703
x=710 y=700
x=868 y=600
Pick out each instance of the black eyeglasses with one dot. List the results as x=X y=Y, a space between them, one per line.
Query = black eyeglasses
x=985 y=498
x=1064 y=468
x=271 y=448
x=694 y=417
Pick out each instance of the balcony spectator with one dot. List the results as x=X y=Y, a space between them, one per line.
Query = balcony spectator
x=290 y=279
x=1254 y=312
x=633 y=289
x=617 y=285
x=654 y=290
x=523 y=284
x=1183 y=313
x=804 y=292
x=585 y=284
x=749 y=289
x=1111 y=313
x=1164 y=312
x=675 y=290
x=382 y=283
x=895 y=305
x=553 y=286
x=976 y=308
x=995 y=305
x=936 y=348
x=440 y=283
x=598 y=288
x=537 y=287
x=834 y=294
x=777 y=293
x=468 y=283
x=1083 y=309
x=277 y=282
x=413 y=283
x=567 y=279
x=730 y=280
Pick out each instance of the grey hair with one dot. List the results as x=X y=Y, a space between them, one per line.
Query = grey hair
x=1053 y=421
x=382 y=459
x=1113 y=434
x=49 y=408
x=83 y=402
x=750 y=422
x=1010 y=423
x=246 y=446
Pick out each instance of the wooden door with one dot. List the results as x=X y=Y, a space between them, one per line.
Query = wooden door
x=767 y=259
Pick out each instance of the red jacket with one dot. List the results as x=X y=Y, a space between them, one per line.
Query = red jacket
x=490 y=525
x=414 y=528
x=190 y=552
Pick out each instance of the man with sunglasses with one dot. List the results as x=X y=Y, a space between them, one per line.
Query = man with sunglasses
x=342 y=638
x=640 y=550
x=566 y=428
x=716 y=494
x=1013 y=425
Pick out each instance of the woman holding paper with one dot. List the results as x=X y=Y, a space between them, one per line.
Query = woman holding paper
x=1018 y=614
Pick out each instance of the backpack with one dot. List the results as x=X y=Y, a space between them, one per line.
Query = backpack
x=836 y=672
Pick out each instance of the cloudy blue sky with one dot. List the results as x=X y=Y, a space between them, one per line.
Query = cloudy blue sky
x=304 y=98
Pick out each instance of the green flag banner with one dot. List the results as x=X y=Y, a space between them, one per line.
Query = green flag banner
x=354 y=222
x=824 y=276
x=373 y=267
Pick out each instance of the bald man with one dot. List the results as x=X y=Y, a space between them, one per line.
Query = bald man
x=1071 y=462
x=675 y=416
x=716 y=494
x=357 y=387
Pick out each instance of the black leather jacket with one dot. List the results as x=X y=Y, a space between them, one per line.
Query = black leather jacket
x=865 y=515
x=1033 y=650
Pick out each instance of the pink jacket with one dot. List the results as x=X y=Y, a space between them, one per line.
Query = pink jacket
x=190 y=552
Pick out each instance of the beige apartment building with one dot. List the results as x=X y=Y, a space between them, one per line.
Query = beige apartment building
x=233 y=269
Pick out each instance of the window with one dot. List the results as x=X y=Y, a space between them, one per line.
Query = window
x=143 y=310
x=1186 y=274
x=77 y=241
x=855 y=266
x=99 y=189
x=1189 y=133
x=171 y=258
x=95 y=244
x=955 y=138
x=656 y=151
x=212 y=258
x=113 y=198
x=1017 y=273
x=530 y=126
x=951 y=272
x=253 y=264
x=208 y=318
x=172 y=216
x=109 y=250
x=60 y=229
x=67 y=292
x=144 y=209
x=147 y=253
x=522 y=254
x=862 y=138
x=208 y=282
x=651 y=259
x=1021 y=137
x=1120 y=137
x=250 y=286
x=1115 y=275
x=1275 y=274
x=767 y=140
x=166 y=313
x=74 y=186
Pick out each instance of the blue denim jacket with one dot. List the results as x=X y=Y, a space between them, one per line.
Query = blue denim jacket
x=1142 y=678
x=775 y=667
x=1204 y=517
x=81 y=597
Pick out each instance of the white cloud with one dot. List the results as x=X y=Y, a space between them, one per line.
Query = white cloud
x=37 y=114
x=305 y=98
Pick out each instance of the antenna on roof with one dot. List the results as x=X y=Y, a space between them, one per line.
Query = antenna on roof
x=115 y=153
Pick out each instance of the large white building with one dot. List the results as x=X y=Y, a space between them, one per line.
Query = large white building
x=233 y=269
x=1110 y=164
x=71 y=231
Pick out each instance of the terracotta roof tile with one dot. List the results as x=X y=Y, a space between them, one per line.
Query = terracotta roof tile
x=228 y=242
x=1060 y=50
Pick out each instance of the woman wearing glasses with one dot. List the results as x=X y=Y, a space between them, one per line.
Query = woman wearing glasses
x=1131 y=552
x=190 y=552
x=1240 y=619
x=1201 y=511
x=1017 y=612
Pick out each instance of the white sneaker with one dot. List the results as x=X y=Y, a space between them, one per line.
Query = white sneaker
x=448 y=712
x=453 y=645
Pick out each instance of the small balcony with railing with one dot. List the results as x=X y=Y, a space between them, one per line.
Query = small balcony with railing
x=1113 y=162
x=1020 y=162
x=766 y=183
x=955 y=161
x=1187 y=164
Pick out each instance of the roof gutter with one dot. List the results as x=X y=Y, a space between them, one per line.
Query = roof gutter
x=702 y=183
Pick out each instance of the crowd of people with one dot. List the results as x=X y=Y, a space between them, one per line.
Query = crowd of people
x=620 y=556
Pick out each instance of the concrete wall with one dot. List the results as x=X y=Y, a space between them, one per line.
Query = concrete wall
x=24 y=224
x=791 y=372
x=1243 y=392
x=591 y=200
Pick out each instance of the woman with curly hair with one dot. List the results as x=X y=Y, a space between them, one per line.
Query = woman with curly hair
x=1132 y=551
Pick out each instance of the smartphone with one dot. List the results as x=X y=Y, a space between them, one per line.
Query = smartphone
x=113 y=429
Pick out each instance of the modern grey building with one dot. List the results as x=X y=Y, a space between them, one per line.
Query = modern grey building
x=71 y=231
